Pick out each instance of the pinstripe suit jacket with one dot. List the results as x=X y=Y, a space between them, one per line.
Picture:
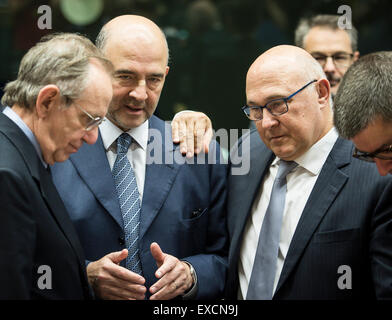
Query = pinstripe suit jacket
x=347 y=221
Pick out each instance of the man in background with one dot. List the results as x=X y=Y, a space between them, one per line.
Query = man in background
x=334 y=48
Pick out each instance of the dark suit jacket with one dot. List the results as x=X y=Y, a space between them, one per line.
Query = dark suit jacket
x=347 y=221
x=35 y=229
x=183 y=209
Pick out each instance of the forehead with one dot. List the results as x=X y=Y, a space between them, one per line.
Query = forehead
x=271 y=81
x=328 y=41
x=96 y=97
x=377 y=134
x=133 y=49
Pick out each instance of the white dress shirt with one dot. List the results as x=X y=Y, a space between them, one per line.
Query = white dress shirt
x=300 y=183
x=136 y=152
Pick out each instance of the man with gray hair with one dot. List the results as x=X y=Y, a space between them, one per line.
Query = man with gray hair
x=363 y=109
x=322 y=37
x=61 y=95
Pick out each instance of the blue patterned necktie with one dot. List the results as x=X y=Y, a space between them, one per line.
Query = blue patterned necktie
x=262 y=279
x=128 y=195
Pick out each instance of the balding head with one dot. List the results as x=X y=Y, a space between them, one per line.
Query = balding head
x=131 y=29
x=286 y=60
x=304 y=118
x=138 y=50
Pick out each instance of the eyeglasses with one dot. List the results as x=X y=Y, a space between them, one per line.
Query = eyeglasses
x=384 y=153
x=276 y=107
x=341 y=59
x=94 y=121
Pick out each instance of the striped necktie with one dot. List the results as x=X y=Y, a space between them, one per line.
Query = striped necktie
x=128 y=195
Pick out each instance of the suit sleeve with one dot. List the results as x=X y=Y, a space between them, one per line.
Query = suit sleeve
x=380 y=249
x=211 y=266
x=17 y=237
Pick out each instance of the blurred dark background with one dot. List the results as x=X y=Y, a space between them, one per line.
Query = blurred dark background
x=212 y=43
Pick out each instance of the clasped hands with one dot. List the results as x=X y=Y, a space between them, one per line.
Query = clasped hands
x=114 y=282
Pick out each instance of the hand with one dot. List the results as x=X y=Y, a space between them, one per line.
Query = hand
x=113 y=282
x=193 y=131
x=174 y=275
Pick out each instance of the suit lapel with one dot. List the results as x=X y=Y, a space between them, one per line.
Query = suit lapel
x=328 y=185
x=93 y=167
x=159 y=177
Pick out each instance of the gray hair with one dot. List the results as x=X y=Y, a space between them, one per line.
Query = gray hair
x=364 y=94
x=62 y=59
x=323 y=20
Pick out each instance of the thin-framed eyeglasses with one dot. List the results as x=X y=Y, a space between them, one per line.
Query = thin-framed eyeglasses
x=340 y=59
x=94 y=121
x=383 y=153
x=276 y=107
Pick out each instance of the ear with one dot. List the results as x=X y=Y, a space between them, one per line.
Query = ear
x=48 y=98
x=356 y=56
x=324 y=90
x=167 y=70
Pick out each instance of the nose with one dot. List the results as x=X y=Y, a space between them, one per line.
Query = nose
x=91 y=136
x=329 y=65
x=269 y=120
x=384 y=166
x=139 y=92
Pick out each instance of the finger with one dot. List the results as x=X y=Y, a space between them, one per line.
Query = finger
x=182 y=137
x=124 y=274
x=118 y=256
x=175 y=128
x=200 y=128
x=207 y=139
x=157 y=254
x=190 y=137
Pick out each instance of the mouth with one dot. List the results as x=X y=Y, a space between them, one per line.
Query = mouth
x=133 y=110
x=334 y=82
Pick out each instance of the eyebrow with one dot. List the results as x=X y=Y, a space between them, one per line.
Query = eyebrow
x=382 y=148
x=125 y=71
x=324 y=54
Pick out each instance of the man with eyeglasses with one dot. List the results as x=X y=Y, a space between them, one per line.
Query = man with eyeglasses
x=334 y=48
x=363 y=109
x=44 y=122
x=309 y=221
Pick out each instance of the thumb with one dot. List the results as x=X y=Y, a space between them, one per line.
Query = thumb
x=157 y=253
x=118 y=256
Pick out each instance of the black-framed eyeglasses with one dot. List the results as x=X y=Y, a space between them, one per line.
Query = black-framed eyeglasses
x=276 y=107
x=383 y=153
x=340 y=59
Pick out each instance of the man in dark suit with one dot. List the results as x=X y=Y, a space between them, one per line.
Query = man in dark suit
x=363 y=109
x=179 y=245
x=329 y=235
x=40 y=253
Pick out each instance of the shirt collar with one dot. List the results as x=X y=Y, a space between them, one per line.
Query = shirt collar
x=313 y=160
x=110 y=132
x=26 y=130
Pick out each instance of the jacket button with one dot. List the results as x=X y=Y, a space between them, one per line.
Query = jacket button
x=121 y=241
